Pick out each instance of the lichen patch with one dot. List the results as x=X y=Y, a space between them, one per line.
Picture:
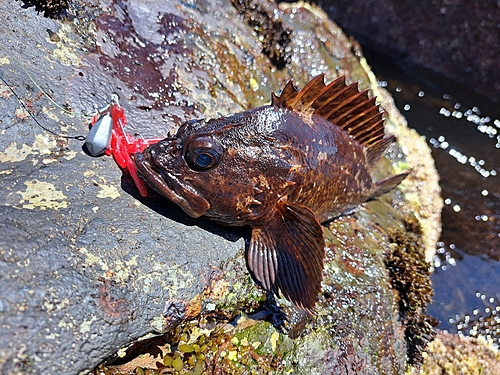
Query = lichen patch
x=13 y=154
x=43 y=145
x=107 y=191
x=42 y=195
x=65 y=48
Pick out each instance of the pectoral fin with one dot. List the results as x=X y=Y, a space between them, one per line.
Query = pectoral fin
x=287 y=254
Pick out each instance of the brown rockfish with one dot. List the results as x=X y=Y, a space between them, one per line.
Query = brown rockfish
x=281 y=169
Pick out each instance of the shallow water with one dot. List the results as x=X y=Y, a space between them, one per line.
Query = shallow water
x=463 y=131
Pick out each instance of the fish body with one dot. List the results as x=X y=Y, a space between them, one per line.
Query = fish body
x=281 y=169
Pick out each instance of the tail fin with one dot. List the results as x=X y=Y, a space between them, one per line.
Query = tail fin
x=389 y=183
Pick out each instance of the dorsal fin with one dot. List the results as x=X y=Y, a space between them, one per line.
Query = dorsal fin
x=343 y=105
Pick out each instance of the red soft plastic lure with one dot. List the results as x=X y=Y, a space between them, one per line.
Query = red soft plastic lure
x=108 y=136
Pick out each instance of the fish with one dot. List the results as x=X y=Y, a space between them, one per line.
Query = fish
x=281 y=169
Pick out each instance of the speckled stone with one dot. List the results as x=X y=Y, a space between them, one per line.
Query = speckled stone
x=88 y=268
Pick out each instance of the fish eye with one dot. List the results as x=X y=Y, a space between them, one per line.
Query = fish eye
x=203 y=153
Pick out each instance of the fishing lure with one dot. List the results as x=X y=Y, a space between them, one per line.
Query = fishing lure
x=108 y=136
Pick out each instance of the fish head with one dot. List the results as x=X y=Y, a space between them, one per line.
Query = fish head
x=227 y=169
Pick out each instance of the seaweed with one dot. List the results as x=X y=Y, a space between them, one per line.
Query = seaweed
x=410 y=277
x=207 y=346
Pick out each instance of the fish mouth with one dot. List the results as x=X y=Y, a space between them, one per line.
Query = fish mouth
x=170 y=186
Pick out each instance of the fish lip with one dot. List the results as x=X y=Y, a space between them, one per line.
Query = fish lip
x=191 y=201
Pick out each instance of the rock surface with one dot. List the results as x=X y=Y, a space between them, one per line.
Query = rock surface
x=452 y=354
x=88 y=268
x=457 y=38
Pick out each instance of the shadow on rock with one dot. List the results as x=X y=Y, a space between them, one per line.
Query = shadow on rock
x=171 y=211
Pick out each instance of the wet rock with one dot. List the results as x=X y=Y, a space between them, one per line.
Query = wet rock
x=456 y=38
x=453 y=354
x=89 y=268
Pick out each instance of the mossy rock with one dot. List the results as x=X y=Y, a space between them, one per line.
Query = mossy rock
x=91 y=271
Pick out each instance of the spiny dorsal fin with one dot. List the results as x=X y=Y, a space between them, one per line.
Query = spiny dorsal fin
x=343 y=105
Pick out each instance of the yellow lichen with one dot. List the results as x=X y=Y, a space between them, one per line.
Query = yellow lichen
x=12 y=154
x=43 y=145
x=42 y=195
x=158 y=324
x=85 y=326
x=92 y=259
x=50 y=114
x=107 y=191
x=68 y=155
x=65 y=48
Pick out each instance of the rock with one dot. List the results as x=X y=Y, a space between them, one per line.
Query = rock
x=457 y=38
x=91 y=271
x=452 y=354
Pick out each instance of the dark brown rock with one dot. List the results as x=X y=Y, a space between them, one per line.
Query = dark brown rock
x=458 y=38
